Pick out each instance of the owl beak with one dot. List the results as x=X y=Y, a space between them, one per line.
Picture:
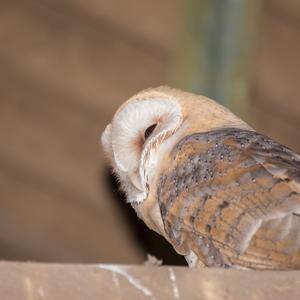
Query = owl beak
x=136 y=181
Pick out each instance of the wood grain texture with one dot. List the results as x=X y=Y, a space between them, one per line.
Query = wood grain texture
x=274 y=102
x=233 y=197
x=65 y=67
x=73 y=282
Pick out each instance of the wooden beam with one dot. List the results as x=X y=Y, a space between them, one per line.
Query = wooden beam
x=34 y=281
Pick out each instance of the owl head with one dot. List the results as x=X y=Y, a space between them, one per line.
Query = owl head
x=146 y=127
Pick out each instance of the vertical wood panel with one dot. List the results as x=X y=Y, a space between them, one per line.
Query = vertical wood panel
x=275 y=100
x=64 y=68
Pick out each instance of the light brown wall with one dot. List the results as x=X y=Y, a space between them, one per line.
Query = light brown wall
x=275 y=99
x=65 y=66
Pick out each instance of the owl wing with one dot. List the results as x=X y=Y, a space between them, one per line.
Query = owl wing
x=232 y=198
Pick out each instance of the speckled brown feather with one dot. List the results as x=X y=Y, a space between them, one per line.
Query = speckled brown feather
x=232 y=196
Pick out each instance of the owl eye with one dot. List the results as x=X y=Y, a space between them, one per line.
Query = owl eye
x=149 y=131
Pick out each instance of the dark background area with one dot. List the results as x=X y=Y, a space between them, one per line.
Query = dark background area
x=65 y=67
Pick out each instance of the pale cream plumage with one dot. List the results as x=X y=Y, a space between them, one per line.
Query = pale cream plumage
x=220 y=193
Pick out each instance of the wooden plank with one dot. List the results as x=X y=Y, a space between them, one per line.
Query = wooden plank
x=40 y=221
x=274 y=104
x=46 y=136
x=53 y=281
x=153 y=21
x=71 y=52
x=62 y=75
x=53 y=188
x=276 y=72
x=288 y=10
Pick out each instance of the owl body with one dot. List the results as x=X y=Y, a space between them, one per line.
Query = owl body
x=220 y=193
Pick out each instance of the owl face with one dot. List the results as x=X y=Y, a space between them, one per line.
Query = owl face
x=132 y=141
x=144 y=129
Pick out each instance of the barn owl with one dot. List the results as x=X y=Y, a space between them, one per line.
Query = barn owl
x=222 y=194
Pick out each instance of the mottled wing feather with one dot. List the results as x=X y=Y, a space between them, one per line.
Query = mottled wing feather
x=233 y=198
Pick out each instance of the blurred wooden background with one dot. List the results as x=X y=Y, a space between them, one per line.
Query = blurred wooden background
x=65 y=66
x=274 y=96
